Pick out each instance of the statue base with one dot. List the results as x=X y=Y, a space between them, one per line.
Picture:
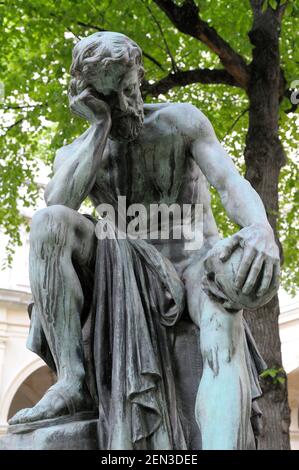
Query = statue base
x=73 y=435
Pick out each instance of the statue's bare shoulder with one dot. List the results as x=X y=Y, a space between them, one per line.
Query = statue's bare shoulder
x=186 y=118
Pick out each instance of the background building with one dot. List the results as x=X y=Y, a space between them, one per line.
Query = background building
x=24 y=377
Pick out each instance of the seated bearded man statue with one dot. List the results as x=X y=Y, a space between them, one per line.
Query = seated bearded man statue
x=145 y=332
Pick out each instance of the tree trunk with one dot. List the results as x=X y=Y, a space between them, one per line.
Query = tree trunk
x=264 y=156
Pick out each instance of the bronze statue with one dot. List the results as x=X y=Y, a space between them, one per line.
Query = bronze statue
x=165 y=356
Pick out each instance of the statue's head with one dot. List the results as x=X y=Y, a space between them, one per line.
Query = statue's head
x=112 y=64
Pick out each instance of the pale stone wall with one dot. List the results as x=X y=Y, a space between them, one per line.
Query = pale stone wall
x=289 y=335
x=17 y=363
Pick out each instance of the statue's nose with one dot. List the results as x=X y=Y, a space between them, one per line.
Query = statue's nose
x=122 y=102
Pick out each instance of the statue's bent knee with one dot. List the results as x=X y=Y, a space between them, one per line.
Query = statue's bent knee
x=49 y=226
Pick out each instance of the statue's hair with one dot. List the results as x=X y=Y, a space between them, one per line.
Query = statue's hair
x=101 y=50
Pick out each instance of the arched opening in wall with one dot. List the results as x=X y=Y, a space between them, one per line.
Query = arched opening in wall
x=32 y=390
x=293 y=391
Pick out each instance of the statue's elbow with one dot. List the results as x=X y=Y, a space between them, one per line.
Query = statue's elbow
x=50 y=196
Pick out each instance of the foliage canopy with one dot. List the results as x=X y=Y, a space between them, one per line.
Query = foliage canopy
x=36 y=40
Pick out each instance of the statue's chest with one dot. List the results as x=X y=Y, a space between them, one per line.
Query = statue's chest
x=145 y=171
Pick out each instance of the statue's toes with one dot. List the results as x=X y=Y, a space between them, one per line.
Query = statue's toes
x=33 y=414
x=28 y=415
x=19 y=417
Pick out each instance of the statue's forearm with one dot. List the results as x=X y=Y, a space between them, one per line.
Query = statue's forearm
x=242 y=203
x=75 y=178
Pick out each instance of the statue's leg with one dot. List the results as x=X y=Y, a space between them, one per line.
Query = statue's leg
x=61 y=239
x=223 y=404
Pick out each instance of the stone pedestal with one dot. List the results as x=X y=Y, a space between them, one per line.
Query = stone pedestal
x=79 y=435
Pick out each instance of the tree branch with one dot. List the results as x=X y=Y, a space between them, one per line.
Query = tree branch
x=16 y=123
x=26 y=106
x=281 y=7
x=152 y=59
x=235 y=122
x=256 y=6
x=186 y=18
x=183 y=78
x=91 y=26
x=157 y=23
x=72 y=32
x=23 y=118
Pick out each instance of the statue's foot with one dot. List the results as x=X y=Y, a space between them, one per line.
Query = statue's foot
x=60 y=400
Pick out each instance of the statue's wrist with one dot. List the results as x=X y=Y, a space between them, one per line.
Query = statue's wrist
x=264 y=226
x=104 y=122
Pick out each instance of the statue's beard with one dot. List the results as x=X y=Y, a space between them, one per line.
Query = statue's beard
x=127 y=126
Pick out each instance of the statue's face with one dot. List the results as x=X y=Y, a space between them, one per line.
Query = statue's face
x=121 y=91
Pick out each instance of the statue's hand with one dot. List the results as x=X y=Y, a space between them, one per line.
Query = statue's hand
x=260 y=258
x=89 y=106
